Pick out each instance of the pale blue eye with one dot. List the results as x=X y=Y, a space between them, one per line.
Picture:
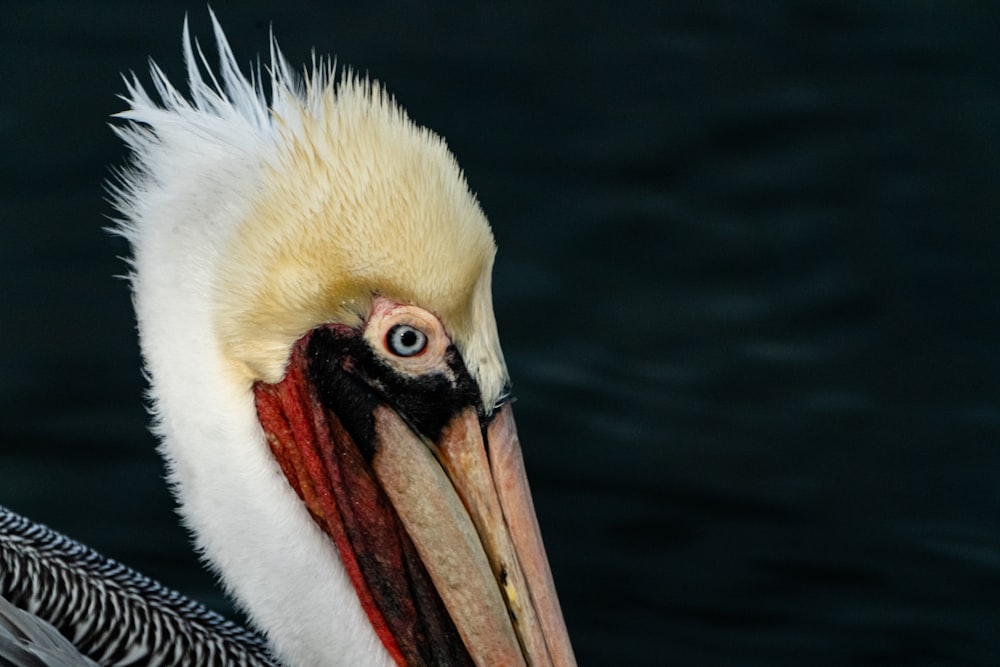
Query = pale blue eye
x=405 y=341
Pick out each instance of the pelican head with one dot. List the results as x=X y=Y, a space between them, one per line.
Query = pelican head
x=311 y=278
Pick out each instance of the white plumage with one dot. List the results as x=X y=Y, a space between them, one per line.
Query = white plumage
x=256 y=218
x=207 y=168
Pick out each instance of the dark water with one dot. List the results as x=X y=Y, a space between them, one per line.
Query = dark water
x=747 y=288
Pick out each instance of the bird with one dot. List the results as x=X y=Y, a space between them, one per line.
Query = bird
x=311 y=276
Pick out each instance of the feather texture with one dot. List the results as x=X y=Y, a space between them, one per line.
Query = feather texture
x=254 y=218
x=50 y=584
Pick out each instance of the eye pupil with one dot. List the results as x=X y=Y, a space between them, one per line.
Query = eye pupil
x=406 y=341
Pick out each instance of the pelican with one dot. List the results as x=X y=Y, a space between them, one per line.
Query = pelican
x=312 y=284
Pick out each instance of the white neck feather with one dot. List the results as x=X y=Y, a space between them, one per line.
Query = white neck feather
x=197 y=163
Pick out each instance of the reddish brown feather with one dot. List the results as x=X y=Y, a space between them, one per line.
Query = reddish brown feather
x=282 y=409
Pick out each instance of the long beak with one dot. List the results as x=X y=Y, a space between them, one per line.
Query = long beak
x=465 y=575
x=465 y=503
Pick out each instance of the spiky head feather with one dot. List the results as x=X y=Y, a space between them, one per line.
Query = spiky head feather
x=251 y=222
x=312 y=204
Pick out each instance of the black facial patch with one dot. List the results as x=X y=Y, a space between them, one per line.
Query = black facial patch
x=350 y=379
x=427 y=402
x=329 y=351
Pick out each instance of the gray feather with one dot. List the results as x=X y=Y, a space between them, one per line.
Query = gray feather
x=110 y=613
x=28 y=641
